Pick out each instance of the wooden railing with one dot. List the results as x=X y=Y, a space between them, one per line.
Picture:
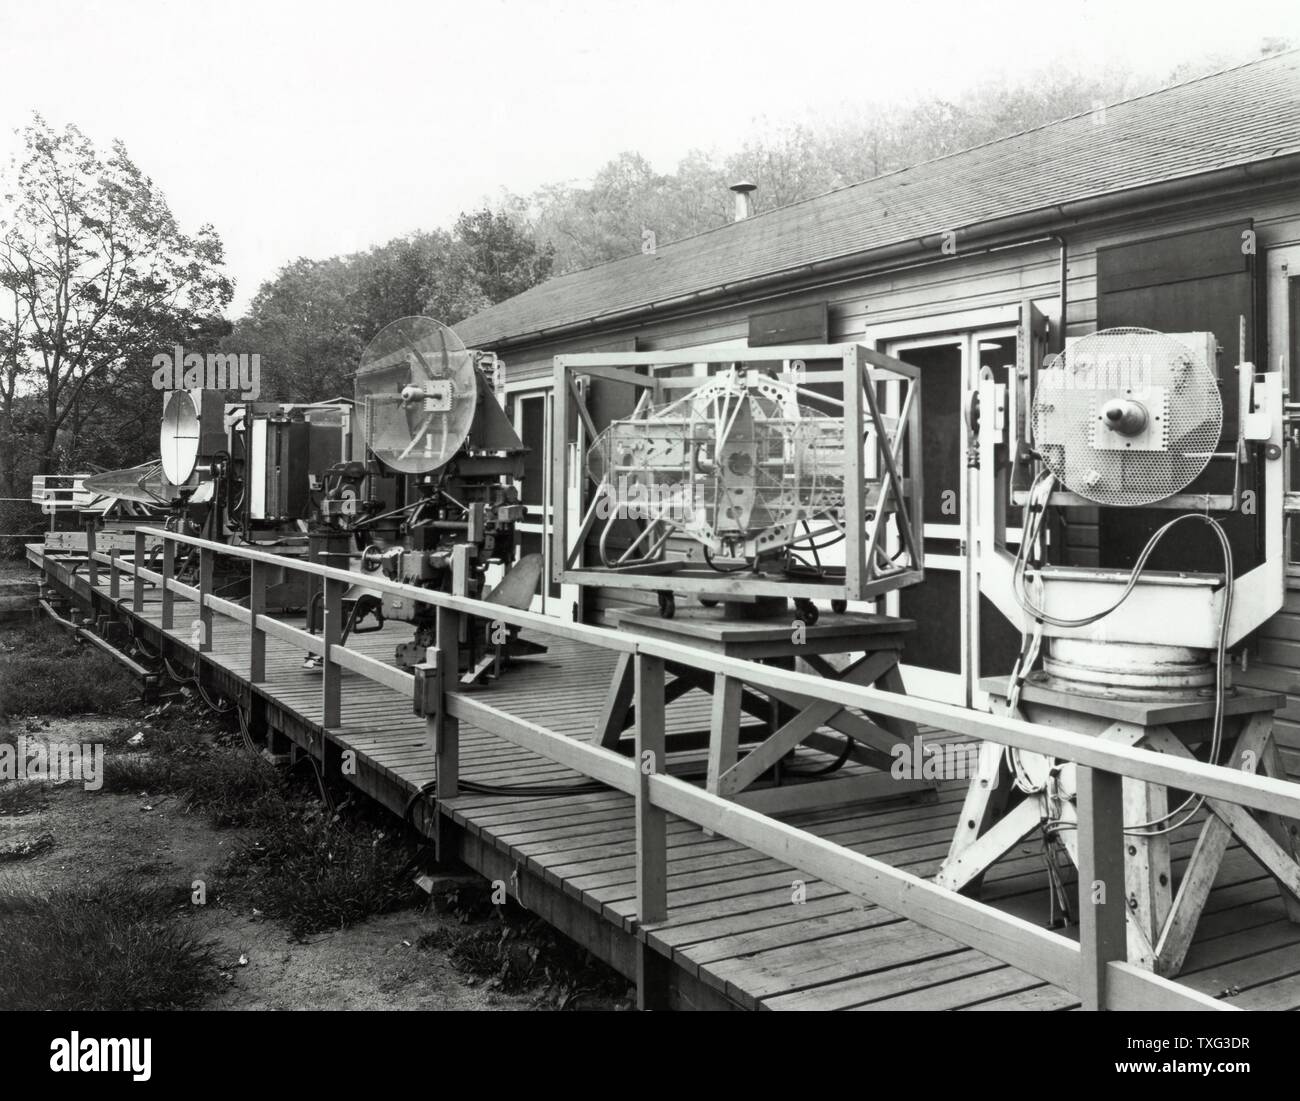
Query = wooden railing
x=1094 y=968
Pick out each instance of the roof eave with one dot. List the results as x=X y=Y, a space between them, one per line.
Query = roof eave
x=988 y=233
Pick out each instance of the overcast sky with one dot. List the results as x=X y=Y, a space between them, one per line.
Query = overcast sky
x=311 y=128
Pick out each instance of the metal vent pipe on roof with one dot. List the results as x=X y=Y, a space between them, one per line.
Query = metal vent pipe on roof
x=744 y=203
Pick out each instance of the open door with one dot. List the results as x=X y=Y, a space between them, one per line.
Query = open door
x=531 y=413
x=960 y=636
x=997 y=640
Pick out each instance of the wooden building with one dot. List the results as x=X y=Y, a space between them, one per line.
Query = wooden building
x=1178 y=210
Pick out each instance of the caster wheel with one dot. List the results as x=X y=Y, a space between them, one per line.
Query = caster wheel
x=839 y=607
x=667 y=605
x=806 y=610
x=708 y=602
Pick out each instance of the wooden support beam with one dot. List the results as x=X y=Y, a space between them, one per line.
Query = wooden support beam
x=651 y=821
x=137 y=581
x=724 y=732
x=114 y=575
x=168 y=597
x=1259 y=835
x=815 y=713
x=446 y=728
x=1198 y=880
x=92 y=567
x=256 y=636
x=1260 y=844
x=974 y=858
x=207 y=565
x=332 y=672
x=1286 y=832
x=609 y=726
x=986 y=798
x=1148 y=886
x=1102 y=917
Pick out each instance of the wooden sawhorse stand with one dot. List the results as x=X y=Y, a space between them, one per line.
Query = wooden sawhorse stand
x=787 y=720
x=997 y=816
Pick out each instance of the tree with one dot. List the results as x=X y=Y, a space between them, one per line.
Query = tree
x=100 y=274
x=304 y=326
x=310 y=324
x=586 y=225
x=494 y=260
x=13 y=367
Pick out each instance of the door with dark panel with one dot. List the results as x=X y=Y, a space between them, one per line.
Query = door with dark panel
x=960 y=636
x=999 y=640
x=608 y=401
x=936 y=603
x=1198 y=281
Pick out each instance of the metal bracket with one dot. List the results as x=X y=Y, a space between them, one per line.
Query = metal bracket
x=427 y=698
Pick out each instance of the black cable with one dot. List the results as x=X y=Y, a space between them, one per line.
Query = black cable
x=418 y=794
x=144 y=650
x=320 y=780
x=198 y=684
x=832 y=766
x=537 y=790
x=520 y=790
x=808 y=544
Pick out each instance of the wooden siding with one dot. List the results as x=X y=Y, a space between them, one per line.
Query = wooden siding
x=1274 y=663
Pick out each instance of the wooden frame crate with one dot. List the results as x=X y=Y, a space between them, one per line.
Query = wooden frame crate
x=861 y=373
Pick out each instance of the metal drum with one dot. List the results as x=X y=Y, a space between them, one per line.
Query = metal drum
x=1129 y=671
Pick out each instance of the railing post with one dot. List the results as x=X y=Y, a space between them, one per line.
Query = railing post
x=651 y=822
x=256 y=636
x=207 y=563
x=137 y=580
x=446 y=728
x=114 y=578
x=1102 y=897
x=313 y=581
x=332 y=672
x=92 y=567
x=651 y=829
x=168 y=597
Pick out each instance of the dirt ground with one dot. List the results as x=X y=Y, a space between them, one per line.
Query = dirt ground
x=374 y=965
x=397 y=960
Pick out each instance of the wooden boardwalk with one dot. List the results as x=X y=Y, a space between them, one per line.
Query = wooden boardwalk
x=743 y=930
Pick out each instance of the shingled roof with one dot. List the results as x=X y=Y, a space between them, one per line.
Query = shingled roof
x=1246 y=114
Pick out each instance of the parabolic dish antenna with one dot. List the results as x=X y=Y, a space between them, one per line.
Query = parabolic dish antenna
x=417 y=389
x=179 y=437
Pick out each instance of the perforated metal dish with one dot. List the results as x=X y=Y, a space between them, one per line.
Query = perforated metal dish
x=417 y=390
x=1172 y=385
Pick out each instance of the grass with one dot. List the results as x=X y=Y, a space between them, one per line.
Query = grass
x=21 y=797
x=44 y=670
x=309 y=867
x=315 y=871
x=25 y=850
x=108 y=945
x=514 y=951
x=234 y=786
x=125 y=946
x=305 y=866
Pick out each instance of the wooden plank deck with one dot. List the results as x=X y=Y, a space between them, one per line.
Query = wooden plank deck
x=742 y=930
